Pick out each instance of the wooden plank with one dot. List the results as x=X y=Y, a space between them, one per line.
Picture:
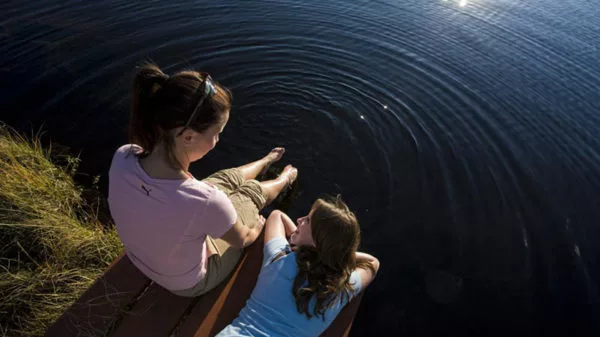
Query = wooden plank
x=214 y=311
x=218 y=308
x=343 y=322
x=159 y=313
x=155 y=314
x=100 y=306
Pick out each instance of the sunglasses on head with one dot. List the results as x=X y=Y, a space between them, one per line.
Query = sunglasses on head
x=206 y=89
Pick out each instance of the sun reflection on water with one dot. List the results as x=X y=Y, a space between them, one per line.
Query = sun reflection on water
x=461 y=3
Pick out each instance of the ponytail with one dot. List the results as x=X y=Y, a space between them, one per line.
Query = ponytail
x=161 y=103
x=143 y=127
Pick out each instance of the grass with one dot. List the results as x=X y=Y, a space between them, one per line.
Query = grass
x=52 y=245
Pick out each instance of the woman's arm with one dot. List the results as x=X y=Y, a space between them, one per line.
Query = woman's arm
x=288 y=224
x=276 y=244
x=366 y=274
x=276 y=225
x=240 y=236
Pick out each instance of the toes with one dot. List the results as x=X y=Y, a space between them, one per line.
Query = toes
x=278 y=152
x=291 y=173
x=275 y=154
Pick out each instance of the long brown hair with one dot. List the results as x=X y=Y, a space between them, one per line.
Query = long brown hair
x=161 y=103
x=324 y=270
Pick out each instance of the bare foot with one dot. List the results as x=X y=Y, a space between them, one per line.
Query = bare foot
x=272 y=157
x=290 y=174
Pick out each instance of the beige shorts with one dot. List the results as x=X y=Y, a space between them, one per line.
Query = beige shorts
x=247 y=198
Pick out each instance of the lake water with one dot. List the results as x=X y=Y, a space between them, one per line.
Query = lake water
x=463 y=133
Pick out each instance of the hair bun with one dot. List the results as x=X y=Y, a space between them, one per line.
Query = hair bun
x=160 y=81
x=151 y=77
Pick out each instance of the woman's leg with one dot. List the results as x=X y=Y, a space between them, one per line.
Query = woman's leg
x=272 y=188
x=253 y=169
x=229 y=180
x=221 y=262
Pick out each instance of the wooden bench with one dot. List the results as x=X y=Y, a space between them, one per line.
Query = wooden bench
x=124 y=302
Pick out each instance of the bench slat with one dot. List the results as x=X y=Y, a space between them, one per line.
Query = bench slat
x=213 y=312
x=100 y=305
x=343 y=322
x=155 y=314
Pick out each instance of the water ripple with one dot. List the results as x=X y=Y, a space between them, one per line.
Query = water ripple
x=463 y=133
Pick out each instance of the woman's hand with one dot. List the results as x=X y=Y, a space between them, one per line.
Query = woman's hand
x=260 y=223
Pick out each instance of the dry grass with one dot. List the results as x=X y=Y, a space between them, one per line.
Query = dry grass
x=52 y=246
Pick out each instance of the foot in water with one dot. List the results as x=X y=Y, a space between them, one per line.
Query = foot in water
x=272 y=157
x=290 y=174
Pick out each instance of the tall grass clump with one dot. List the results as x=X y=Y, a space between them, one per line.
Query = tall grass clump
x=52 y=246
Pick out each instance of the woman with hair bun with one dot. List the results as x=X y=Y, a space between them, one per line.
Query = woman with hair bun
x=183 y=233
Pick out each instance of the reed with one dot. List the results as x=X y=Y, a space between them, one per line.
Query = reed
x=52 y=245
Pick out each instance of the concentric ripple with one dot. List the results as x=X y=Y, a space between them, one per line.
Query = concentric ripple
x=463 y=133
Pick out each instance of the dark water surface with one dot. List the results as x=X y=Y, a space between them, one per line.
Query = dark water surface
x=463 y=133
